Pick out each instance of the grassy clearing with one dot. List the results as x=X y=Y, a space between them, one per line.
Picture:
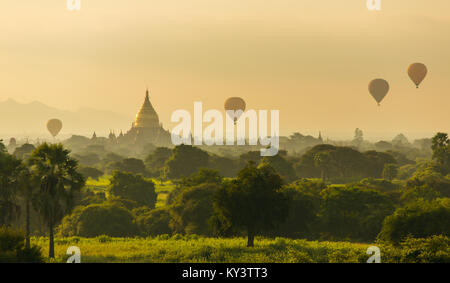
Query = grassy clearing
x=164 y=249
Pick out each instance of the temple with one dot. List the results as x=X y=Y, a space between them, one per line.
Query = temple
x=146 y=128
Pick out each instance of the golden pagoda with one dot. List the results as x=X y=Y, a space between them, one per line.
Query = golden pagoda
x=146 y=117
x=146 y=127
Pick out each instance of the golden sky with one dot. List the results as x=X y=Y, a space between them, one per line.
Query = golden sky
x=311 y=59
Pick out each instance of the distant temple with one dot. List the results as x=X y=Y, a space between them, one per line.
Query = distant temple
x=146 y=128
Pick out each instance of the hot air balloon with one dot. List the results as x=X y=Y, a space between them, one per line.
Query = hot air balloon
x=235 y=104
x=54 y=126
x=417 y=72
x=378 y=88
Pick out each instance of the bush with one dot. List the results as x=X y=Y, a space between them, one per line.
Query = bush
x=133 y=187
x=435 y=249
x=130 y=165
x=303 y=208
x=185 y=160
x=192 y=209
x=351 y=212
x=12 y=248
x=97 y=220
x=381 y=185
x=155 y=222
x=406 y=171
x=89 y=196
x=419 y=219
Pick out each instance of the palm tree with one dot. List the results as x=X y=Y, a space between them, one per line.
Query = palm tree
x=324 y=162
x=58 y=181
x=10 y=168
x=28 y=184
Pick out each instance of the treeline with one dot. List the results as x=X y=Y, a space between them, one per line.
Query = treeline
x=329 y=193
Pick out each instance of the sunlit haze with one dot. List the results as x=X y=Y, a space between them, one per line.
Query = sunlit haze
x=310 y=59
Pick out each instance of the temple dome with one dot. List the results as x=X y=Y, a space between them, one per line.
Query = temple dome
x=146 y=117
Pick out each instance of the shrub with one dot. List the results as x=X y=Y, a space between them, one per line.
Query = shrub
x=303 y=208
x=99 y=219
x=435 y=249
x=133 y=187
x=155 y=222
x=351 y=212
x=418 y=219
x=192 y=209
x=12 y=248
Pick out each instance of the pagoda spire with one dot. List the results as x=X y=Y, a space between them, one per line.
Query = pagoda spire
x=147 y=117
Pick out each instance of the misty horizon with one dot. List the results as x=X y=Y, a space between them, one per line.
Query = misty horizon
x=43 y=135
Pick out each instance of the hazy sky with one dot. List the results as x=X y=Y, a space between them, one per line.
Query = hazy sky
x=311 y=59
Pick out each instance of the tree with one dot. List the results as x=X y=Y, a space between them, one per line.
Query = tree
x=59 y=181
x=87 y=159
x=419 y=219
x=155 y=222
x=375 y=162
x=351 y=212
x=10 y=168
x=23 y=151
x=99 y=219
x=359 y=137
x=324 y=161
x=303 y=206
x=2 y=147
x=400 y=140
x=281 y=165
x=155 y=160
x=131 y=165
x=251 y=156
x=12 y=249
x=383 y=146
x=112 y=157
x=185 y=160
x=441 y=152
x=27 y=185
x=90 y=172
x=227 y=167
x=203 y=176
x=401 y=158
x=192 y=209
x=342 y=164
x=432 y=179
x=390 y=171
x=252 y=202
x=133 y=187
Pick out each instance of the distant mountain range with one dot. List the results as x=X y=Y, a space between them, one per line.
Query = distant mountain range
x=29 y=120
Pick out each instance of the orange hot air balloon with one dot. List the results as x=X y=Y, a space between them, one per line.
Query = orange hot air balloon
x=235 y=104
x=54 y=126
x=417 y=72
x=378 y=88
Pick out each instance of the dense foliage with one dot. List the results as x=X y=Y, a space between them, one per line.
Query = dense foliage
x=397 y=196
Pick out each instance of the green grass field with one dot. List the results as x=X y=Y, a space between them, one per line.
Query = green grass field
x=164 y=249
